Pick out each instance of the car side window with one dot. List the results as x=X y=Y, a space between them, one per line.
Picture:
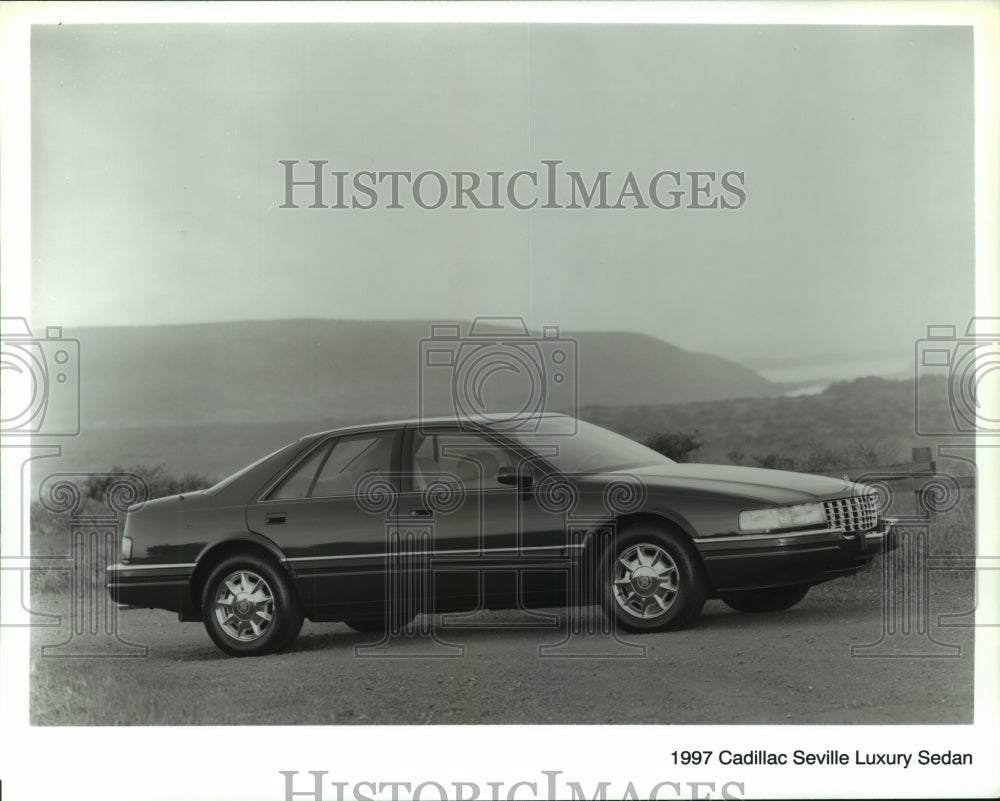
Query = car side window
x=470 y=460
x=351 y=459
x=336 y=470
x=298 y=483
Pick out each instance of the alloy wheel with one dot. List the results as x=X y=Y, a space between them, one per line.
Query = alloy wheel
x=646 y=581
x=244 y=606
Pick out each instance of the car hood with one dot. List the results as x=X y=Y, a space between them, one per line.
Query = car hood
x=771 y=486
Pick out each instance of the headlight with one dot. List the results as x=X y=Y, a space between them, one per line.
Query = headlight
x=804 y=514
x=126 y=548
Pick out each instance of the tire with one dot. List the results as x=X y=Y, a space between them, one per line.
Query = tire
x=654 y=580
x=249 y=607
x=772 y=599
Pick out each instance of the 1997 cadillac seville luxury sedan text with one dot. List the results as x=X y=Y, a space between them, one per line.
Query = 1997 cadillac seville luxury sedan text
x=465 y=515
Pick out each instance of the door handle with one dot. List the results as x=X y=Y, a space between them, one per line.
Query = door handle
x=420 y=513
x=275 y=518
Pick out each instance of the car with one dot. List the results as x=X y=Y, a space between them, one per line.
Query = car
x=374 y=524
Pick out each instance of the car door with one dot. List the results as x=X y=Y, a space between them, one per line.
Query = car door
x=330 y=515
x=491 y=544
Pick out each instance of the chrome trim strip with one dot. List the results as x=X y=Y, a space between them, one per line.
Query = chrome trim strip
x=436 y=553
x=408 y=495
x=773 y=536
x=878 y=532
x=120 y=567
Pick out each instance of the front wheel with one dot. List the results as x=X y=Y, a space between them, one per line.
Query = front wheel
x=249 y=608
x=654 y=580
x=772 y=599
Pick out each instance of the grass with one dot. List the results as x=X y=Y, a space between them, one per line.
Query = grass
x=63 y=694
x=850 y=424
x=187 y=682
x=113 y=692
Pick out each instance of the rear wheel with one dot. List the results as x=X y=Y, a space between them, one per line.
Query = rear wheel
x=654 y=580
x=249 y=608
x=772 y=599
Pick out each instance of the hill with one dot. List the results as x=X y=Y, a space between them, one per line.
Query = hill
x=866 y=421
x=318 y=371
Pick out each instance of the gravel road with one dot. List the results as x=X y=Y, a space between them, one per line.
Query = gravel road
x=792 y=667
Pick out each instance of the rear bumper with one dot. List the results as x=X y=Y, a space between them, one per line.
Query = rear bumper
x=801 y=557
x=153 y=586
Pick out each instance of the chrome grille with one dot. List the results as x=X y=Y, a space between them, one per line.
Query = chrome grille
x=857 y=513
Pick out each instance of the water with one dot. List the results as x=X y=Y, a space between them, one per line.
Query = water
x=812 y=379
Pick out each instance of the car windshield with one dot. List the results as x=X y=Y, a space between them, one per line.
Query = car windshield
x=591 y=449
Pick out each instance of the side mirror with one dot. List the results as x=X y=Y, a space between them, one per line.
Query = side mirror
x=513 y=477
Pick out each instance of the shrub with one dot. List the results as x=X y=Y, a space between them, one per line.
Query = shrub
x=774 y=461
x=814 y=454
x=159 y=482
x=50 y=530
x=675 y=445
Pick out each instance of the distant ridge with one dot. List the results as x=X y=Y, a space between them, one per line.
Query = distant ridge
x=312 y=371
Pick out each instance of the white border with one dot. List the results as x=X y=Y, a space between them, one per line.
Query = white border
x=174 y=763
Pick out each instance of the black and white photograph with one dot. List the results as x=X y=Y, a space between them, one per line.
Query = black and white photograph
x=499 y=401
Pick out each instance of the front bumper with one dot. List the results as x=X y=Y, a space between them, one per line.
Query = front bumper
x=753 y=561
x=152 y=586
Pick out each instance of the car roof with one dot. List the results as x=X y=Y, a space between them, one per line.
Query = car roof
x=424 y=421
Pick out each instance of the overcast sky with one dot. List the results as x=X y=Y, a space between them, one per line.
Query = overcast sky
x=157 y=183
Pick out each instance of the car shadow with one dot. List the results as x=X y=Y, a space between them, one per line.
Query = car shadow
x=494 y=626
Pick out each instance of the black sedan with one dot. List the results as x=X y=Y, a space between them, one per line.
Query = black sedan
x=374 y=524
